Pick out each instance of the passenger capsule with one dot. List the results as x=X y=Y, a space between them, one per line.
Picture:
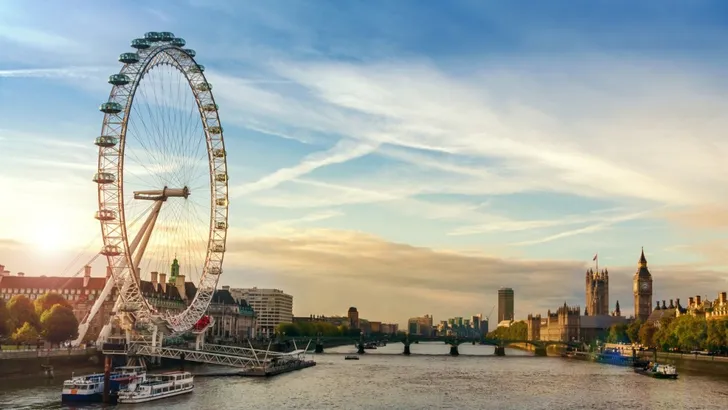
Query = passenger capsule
x=221 y=225
x=217 y=248
x=153 y=36
x=221 y=202
x=106 y=141
x=215 y=270
x=166 y=36
x=221 y=178
x=210 y=107
x=199 y=68
x=119 y=79
x=216 y=129
x=204 y=86
x=104 y=178
x=105 y=215
x=179 y=42
x=218 y=153
x=141 y=43
x=190 y=52
x=110 y=250
x=111 y=108
x=129 y=58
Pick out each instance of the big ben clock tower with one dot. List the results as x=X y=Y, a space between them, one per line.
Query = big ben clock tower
x=642 y=290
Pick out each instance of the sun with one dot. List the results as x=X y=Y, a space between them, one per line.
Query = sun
x=50 y=238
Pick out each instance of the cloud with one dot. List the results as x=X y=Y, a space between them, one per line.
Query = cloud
x=343 y=151
x=63 y=72
x=709 y=216
x=595 y=227
x=355 y=268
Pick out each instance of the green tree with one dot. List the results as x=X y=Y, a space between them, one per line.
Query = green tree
x=4 y=320
x=47 y=301
x=617 y=333
x=690 y=332
x=25 y=334
x=21 y=311
x=647 y=334
x=516 y=331
x=633 y=331
x=59 y=324
x=717 y=334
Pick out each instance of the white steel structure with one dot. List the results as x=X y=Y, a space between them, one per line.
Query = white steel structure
x=161 y=161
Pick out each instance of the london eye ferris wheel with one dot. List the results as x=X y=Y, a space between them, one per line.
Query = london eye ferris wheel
x=162 y=181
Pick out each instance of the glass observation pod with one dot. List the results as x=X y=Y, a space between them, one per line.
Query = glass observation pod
x=220 y=225
x=105 y=215
x=128 y=307
x=119 y=79
x=106 y=141
x=210 y=107
x=218 y=153
x=215 y=270
x=221 y=178
x=189 y=51
x=153 y=36
x=221 y=202
x=215 y=130
x=110 y=250
x=166 y=36
x=141 y=43
x=203 y=86
x=111 y=108
x=179 y=42
x=129 y=58
x=199 y=68
x=217 y=248
x=104 y=178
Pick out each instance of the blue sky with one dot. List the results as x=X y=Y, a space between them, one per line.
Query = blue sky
x=403 y=157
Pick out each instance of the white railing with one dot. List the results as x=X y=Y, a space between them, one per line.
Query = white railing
x=198 y=356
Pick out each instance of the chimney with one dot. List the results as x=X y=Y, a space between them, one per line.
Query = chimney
x=677 y=303
x=180 y=284
x=722 y=298
x=86 y=275
x=664 y=306
x=691 y=300
x=163 y=282
x=672 y=306
x=154 y=281
x=3 y=272
x=697 y=300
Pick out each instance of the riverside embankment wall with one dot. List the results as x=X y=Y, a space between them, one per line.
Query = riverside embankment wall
x=30 y=362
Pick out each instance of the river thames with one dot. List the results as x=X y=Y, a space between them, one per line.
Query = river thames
x=429 y=379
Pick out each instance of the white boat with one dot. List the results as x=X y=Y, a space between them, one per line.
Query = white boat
x=157 y=386
x=90 y=387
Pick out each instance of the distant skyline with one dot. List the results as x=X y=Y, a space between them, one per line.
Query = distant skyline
x=399 y=157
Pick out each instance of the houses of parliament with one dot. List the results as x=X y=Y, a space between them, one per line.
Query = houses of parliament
x=566 y=323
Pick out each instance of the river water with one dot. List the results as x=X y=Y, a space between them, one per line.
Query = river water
x=429 y=379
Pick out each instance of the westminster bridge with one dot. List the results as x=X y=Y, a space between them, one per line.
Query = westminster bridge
x=539 y=347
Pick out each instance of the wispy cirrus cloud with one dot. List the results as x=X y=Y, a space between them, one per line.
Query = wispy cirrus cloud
x=343 y=151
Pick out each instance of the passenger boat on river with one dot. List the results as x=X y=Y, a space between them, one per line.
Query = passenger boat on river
x=89 y=388
x=157 y=387
x=658 y=371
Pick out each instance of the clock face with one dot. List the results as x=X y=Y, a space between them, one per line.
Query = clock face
x=645 y=286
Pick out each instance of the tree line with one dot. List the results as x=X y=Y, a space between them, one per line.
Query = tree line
x=685 y=333
x=50 y=317
x=516 y=331
x=312 y=329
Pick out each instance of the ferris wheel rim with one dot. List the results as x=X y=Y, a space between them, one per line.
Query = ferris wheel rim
x=111 y=207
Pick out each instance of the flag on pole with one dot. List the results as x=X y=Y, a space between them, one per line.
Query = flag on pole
x=595 y=256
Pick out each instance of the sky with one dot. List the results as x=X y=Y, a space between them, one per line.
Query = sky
x=406 y=157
